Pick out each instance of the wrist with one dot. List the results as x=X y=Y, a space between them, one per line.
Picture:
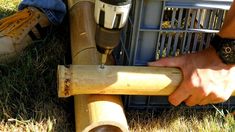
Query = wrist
x=216 y=60
x=226 y=34
x=225 y=48
x=214 y=57
x=226 y=31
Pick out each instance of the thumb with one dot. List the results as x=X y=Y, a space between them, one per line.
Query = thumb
x=169 y=62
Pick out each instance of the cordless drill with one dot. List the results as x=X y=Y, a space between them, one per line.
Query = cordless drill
x=110 y=16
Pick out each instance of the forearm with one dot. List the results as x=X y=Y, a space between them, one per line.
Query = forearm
x=227 y=30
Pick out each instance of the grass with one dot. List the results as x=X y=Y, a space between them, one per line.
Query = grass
x=28 y=92
x=29 y=102
x=181 y=119
x=8 y=7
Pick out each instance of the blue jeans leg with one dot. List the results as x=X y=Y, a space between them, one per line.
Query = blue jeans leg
x=54 y=9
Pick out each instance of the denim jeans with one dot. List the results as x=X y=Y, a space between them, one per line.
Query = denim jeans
x=54 y=9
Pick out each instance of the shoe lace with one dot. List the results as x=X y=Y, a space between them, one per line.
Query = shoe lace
x=15 y=21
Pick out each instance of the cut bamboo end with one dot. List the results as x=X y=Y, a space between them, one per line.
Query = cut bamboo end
x=105 y=113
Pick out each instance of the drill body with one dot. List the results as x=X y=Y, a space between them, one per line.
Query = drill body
x=110 y=16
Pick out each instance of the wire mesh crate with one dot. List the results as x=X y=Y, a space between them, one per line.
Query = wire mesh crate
x=161 y=28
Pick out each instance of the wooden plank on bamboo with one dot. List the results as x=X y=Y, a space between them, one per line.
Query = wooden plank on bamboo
x=119 y=80
x=93 y=113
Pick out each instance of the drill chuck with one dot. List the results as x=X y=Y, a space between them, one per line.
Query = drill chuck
x=106 y=39
x=110 y=16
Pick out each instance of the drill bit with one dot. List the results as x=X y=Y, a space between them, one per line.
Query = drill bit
x=103 y=60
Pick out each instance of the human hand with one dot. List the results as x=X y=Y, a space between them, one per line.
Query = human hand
x=206 y=80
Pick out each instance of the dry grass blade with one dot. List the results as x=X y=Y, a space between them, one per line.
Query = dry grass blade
x=180 y=119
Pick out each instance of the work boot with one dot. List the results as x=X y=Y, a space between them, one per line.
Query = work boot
x=19 y=30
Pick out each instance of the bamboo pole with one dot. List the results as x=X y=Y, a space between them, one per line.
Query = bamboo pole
x=119 y=80
x=92 y=112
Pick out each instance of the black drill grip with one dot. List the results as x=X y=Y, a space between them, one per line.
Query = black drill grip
x=106 y=39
